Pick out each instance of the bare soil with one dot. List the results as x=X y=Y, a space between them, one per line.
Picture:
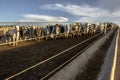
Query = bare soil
x=26 y=54
x=40 y=71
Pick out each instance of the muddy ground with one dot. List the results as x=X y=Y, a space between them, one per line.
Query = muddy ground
x=40 y=71
x=15 y=59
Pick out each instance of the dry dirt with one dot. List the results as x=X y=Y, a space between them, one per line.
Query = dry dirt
x=15 y=59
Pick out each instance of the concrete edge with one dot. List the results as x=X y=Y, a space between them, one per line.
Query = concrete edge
x=107 y=67
x=115 y=58
x=70 y=71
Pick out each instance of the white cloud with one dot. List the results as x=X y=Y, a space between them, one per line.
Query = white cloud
x=84 y=10
x=109 y=4
x=26 y=20
x=116 y=13
x=42 y=18
x=99 y=19
x=82 y=13
x=86 y=13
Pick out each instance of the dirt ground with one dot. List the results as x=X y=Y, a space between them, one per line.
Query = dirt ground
x=40 y=71
x=15 y=59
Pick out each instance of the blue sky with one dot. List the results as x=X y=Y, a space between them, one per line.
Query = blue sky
x=59 y=11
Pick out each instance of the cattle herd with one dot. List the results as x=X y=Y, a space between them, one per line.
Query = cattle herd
x=14 y=33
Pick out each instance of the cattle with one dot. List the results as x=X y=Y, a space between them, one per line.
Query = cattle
x=53 y=32
x=15 y=33
x=57 y=31
x=79 y=29
x=8 y=37
x=86 y=28
x=47 y=32
x=93 y=28
x=76 y=29
x=67 y=29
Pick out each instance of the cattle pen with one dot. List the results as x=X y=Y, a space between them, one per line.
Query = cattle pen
x=51 y=50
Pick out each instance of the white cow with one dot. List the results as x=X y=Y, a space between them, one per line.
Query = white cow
x=87 y=28
x=93 y=28
x=76 y=29
x=57 y=30
x=103 y=28
x=17 y=34
x=47 y=33
x=79 y=30
x=14 y=33
x=68 y=31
